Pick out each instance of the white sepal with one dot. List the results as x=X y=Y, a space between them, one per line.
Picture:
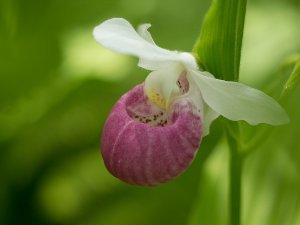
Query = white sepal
x=144 y=33
x=118 y=35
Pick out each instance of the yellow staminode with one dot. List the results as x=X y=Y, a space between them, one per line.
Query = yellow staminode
x=156 y=98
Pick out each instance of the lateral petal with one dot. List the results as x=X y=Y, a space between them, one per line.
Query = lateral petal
x=237 y=101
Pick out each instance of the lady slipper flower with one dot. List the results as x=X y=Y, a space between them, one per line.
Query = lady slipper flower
x=154 y=131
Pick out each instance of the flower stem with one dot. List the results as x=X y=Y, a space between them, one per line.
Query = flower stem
x=235 y=172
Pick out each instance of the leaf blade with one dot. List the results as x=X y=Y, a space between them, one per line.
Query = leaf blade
x=218 y=48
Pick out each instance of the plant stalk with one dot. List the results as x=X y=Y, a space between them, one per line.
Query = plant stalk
x=235 y=176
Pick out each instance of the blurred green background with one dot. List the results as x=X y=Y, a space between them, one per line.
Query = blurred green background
x=57 y=87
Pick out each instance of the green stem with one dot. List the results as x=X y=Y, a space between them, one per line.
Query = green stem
x=256 y=142
x=235 y=172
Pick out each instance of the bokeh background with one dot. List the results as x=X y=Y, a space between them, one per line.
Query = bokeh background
x=57 y=87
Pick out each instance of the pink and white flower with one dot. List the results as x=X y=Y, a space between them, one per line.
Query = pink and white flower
x=154 y=131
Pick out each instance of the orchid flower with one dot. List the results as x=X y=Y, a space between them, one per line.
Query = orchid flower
x=154 y=131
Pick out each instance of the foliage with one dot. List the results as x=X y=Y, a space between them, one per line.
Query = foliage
x=218 y=48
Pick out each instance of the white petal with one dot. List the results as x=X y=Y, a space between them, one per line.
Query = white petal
x=237 y=101
x=117 y=34
x=208 y=115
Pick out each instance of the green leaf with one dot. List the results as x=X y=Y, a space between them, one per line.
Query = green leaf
x=218 y=49
x=293 y=80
